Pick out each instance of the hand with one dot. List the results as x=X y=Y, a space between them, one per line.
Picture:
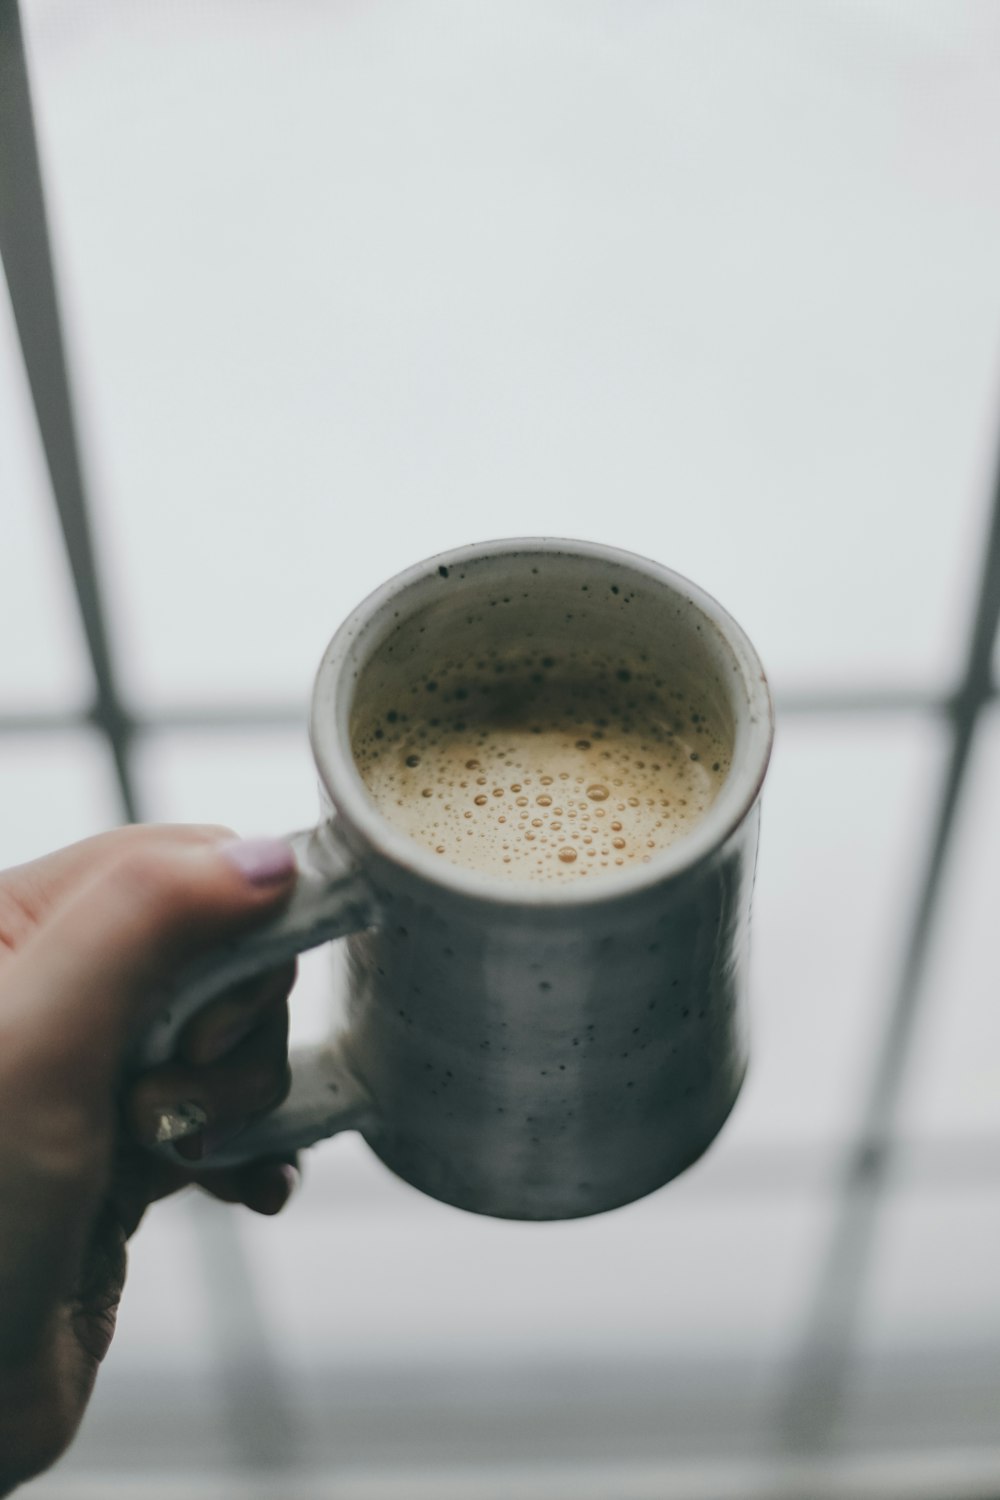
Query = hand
x=89 y=938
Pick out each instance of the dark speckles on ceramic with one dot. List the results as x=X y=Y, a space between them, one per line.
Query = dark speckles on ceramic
x=530 y=1052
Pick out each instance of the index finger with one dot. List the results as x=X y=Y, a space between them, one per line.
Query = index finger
x=40 y=884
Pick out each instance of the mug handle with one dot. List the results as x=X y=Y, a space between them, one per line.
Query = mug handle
x=329 y=900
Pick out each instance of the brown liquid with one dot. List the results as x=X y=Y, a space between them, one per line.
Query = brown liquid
x=545 y=774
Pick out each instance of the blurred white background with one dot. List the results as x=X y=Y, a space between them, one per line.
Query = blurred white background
x=347 y=283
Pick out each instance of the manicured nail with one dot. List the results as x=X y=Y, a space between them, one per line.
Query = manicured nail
x=179 y=1120
x=274 y=1192
x=260 y=861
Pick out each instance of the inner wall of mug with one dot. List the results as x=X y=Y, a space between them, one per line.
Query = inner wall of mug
x=559 y=609
x=509 y=624
x=511 y=596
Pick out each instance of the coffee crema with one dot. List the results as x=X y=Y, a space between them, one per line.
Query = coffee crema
x=543 y=768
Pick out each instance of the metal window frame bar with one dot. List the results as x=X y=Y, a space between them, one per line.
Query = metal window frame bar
x=253 y=1407
x=813 y=1399
x=26 y=252
x=236 y=717
x=809 y=1410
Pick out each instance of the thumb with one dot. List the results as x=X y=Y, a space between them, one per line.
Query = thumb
x=77 y=988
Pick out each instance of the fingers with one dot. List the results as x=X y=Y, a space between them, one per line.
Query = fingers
x=77 y=987
x=41 y=884
x=223 y=1024
x=244 y=1033
x=214 y=1101
x=263 y=1186
x=144 y=1177
x=112 y=924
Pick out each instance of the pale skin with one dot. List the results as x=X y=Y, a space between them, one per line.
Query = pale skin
x=89 y=938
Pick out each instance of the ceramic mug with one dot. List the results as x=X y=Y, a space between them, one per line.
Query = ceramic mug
x=529 y=1051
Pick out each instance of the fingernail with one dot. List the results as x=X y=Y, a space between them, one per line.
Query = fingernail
x=179 y=1120
x=260 y=861
x=276 y=1190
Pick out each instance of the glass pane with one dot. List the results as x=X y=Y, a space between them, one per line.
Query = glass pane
x=43 y=663
x=953 y=1086
x=54 y=789
x=928 y=1364
x=845 y=816
x=349 y=285
x=160 y=1401
x=259 y=782
x=638 y=1336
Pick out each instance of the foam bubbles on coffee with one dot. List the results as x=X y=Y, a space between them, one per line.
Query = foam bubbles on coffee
x=542 y=769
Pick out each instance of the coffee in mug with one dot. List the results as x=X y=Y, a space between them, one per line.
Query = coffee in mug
x=536 y=766
x=561 y=1034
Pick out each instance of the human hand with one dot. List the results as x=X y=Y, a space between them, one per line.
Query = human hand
x=89 y=939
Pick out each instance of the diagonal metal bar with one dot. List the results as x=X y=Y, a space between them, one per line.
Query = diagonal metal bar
x=26 y=250
x=260 y=1422
x=818 y=1373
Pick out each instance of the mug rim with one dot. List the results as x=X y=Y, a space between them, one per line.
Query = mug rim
x=329 y=734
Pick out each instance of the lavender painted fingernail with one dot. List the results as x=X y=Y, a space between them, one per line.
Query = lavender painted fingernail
x=260 y=861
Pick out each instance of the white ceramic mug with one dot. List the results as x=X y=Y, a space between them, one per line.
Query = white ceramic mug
x=530 y=1051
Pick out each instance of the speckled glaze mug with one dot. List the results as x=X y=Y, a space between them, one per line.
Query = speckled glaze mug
x=525 y=1051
